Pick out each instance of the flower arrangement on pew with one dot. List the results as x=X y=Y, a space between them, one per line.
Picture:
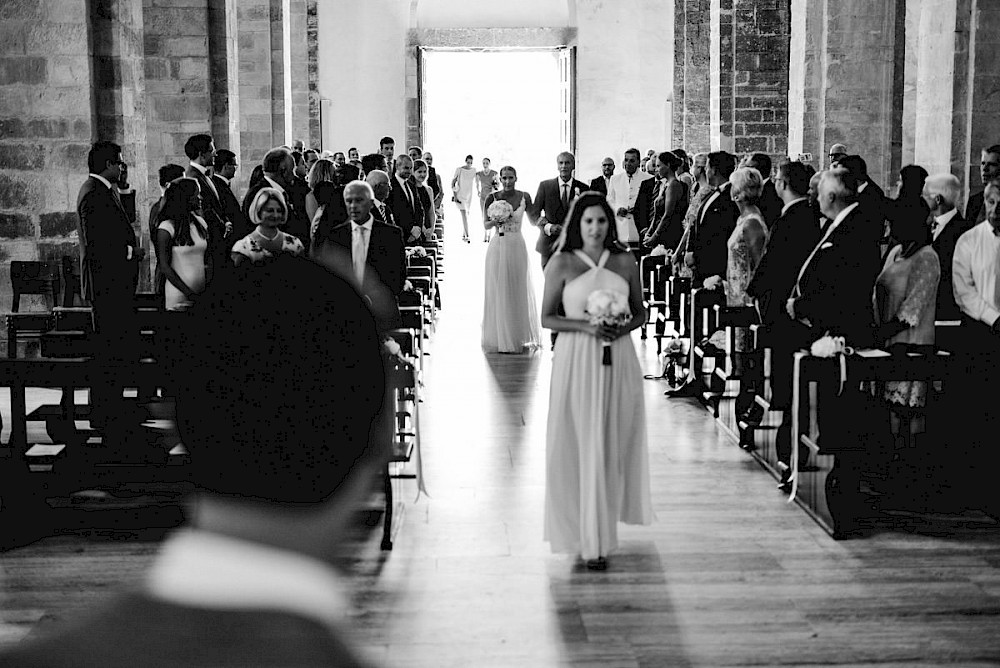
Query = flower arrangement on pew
x=609 y=308
x=833 y=346
x=500 y=213
x=398 y=367
x=416 y=251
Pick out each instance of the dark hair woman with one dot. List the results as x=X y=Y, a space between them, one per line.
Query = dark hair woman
x=181 y=241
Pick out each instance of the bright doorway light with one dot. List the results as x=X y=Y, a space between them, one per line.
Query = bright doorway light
x=501 y=105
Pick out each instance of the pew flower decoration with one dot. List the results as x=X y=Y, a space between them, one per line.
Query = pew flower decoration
x=407 y=286
x=610 y=308
x=500 y=212
x=392 y=349
x=833 y=346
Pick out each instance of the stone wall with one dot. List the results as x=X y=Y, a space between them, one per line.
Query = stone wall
x=691 y=117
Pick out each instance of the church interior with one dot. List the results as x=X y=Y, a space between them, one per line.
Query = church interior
x=446 y=564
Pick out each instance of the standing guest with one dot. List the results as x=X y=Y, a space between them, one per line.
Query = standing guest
x=181 y=243
x=462 y=185
x=434 y=180
x=770 y=204
x=323 y=170
x=109 y=262
x=387 y=147
x=552 y=203
x=699 y=193
x=597 y=464
x=631 y=208
x=379 y=182
x=310 y=155
x=905 y=299
x=415 y=153
x=426 y=197
x=814 y=198
x=339 y=159
x=200 y=150
x=300 y=165
x=837 y=152
x=976 y=274
x=279 y=174
x=225 y=171
x=989 y=172
x=404 y=202
x=671 y=204
x=373 y=161
x=871 y=198
x=510 y=315
x=487 y=181
x=298 y=145
x=167 y=173
x=269 y=212
x=369 y=254
x=352 y=154
x=947 y=225
x=602 y=183
x=684 y=171
x=256 y=176
x=909 y=202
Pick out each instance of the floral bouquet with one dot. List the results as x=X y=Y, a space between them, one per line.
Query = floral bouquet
x=608 y=307
x=833 y=346
x=500 y=212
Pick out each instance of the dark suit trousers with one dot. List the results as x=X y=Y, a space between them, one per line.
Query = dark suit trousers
x=116 y=340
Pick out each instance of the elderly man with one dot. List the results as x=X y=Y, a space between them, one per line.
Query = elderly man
x=623 y=195
x=989 y=172
x=941 y=192
x=379 y=181
x=837 y=151
x=976 y=276
x=552 y=203
x=602 y=183
x=369 y=253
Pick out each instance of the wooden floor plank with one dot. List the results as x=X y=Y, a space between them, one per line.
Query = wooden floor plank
x=728 y=575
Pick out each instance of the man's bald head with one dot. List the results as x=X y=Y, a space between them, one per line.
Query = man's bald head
x=379 y=182
x=941 y=192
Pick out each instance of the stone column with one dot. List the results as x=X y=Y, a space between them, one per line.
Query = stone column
x=46 y=127
x=312 y=35
x=298 y=73
x=692 y=35
x=224 y=76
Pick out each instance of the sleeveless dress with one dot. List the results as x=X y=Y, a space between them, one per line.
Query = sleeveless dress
x=510 y=314
x=597 y=464
x=466 y=188
x=742 y=260
x=188 y=262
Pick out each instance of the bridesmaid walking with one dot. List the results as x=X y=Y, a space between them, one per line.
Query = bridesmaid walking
x=597 y=464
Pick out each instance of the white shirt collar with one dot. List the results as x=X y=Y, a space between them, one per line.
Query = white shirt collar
x=274 y=184
x=367 y=224
x=861 y=188
x=788 y=206
x=944 y=219
x=224 y=179
x=102 y=180
x=203 y=170
x=209 y=570
x=401 y=181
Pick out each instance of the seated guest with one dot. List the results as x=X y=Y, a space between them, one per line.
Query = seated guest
x=947 y=225
x=268 y=211
x=989 y=172
x=976 y=273
x=281 y=465
x=909 y=203
x=770 y=204
x=368 y=253
x=322 y=170
x=181 y=243
x=167 y=173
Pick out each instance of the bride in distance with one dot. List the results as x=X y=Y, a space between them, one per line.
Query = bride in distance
x=510 y=314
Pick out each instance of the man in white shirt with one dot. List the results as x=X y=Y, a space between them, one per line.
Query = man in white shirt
x=622 y=193
x=976 y=272
x=947 y=226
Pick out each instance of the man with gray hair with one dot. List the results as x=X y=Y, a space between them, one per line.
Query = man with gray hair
x=368 y=253
x=947 y=225
x=379 y=181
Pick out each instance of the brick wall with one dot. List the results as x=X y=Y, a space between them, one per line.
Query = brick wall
x=692 y=122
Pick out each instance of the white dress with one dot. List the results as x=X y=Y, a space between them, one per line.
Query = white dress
x=465 y=190
x=597 y=463
x=510 y=313
x=188 y=262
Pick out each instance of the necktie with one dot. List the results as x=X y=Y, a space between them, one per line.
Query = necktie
x=565 y=196
x=359 y=252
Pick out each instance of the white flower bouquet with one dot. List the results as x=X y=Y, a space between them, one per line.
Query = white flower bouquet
x=500 y=212
x=610 y=308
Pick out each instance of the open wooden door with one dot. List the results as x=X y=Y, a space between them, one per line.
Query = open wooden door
x=567 y=98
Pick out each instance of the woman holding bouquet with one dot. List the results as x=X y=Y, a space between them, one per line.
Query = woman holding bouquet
x=597 y=470
x=510 y=315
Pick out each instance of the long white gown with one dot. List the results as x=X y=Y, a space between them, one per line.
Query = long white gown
x=597 y=461
x=510 y=312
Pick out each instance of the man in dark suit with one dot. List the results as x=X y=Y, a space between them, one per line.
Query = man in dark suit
x=379 y=181
x=947 y=225
x=403 y=201
x=770 y=203
x=200 y=150
x=225 y=170
x=370 y=254
x=109 y=261
x=552 y=203
x=870 y=197
x=603 y=182
x=708 y=253
x=645 y=202
x=251 y=580
x=279 y=173
x=989 y=172
x=435 y=182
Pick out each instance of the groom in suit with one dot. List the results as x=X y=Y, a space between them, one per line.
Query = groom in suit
x=552 y=202
x=369 y=254
x=252 y=579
